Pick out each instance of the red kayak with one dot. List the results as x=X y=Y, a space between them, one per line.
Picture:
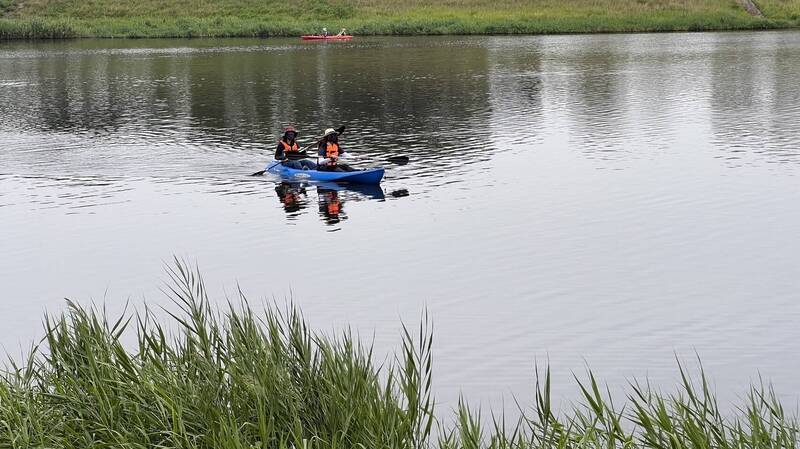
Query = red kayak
x=319 y=37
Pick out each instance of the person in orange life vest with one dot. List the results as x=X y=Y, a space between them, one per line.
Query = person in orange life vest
x=288 y=145
x=330 y=152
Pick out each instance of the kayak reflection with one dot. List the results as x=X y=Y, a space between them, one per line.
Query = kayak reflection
x=360 y=191
x=331 y=198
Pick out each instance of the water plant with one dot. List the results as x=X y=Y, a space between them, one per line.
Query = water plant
x=240 y=379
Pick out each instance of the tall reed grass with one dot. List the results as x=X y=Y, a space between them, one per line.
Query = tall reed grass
x=241 y=379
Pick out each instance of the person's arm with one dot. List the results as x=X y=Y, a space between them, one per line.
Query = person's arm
x=322 y=153
x=279 y=152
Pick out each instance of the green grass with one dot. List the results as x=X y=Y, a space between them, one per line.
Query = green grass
x=224 y=18
x=237 y=379
x=787 y=9
x=5 y=6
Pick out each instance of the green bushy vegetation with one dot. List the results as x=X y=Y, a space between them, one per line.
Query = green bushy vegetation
x=252 y=18
x=37 y=29
x=5 y=6
x=238 y=379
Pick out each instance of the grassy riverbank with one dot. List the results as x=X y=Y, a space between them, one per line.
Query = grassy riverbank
x=241 y=380
x=228 y=18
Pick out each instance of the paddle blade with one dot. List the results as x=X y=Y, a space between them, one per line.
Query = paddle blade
x=341 y=129
x=399 y=160
x=399 y=193
x=258 y=173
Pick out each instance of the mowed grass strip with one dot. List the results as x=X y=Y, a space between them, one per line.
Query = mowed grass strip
x=251 y=18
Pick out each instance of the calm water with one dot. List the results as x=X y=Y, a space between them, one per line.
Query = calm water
x=613 y=200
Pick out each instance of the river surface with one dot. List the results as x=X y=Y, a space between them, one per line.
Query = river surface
x=615 y=201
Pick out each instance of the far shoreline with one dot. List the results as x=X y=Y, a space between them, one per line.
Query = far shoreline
x=198 y=28
x=366 y=36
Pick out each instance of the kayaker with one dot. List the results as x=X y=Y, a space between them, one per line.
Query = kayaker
x=287 y=146
x=342 y=33
x=330 y=152
x=325 y=32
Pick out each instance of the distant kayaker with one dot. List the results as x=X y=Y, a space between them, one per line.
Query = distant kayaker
x=288 y=146
x=343 y=32
x=325 y=32
x=330 y=152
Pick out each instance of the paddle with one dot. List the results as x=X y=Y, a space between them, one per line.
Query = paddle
x=297 y=156
x=399 y=160
x=339 y=131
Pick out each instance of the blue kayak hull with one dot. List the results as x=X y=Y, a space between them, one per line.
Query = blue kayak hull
x=370 y=176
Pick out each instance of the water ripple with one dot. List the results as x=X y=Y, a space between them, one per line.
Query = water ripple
x=610 y=197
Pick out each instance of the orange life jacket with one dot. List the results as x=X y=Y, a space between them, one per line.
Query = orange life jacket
x=334 y=207
x=332 y=151
x=290 y=148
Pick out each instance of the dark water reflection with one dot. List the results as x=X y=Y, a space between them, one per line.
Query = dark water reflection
x=614 y=199
x=295 y=197
x=209 y=109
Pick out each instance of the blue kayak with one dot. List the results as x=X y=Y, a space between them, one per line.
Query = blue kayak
x=369 y=176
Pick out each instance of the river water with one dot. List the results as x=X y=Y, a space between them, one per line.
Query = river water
x=615 y=201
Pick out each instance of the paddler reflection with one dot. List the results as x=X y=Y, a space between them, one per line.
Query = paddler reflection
x=331 y=198
x=293 y=197
x=331 y=206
